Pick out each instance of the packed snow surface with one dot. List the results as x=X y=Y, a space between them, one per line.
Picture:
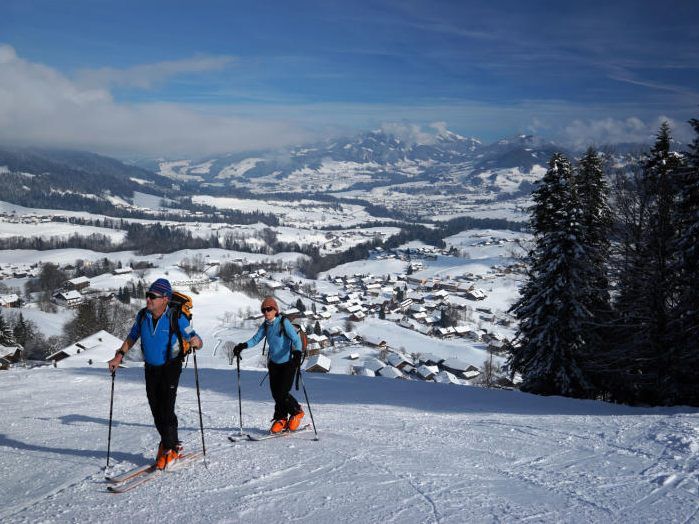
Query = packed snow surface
x=388 y=451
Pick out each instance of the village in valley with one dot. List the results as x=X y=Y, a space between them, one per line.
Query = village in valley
x=415 y=312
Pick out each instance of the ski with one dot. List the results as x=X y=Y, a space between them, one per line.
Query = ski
x=127 y=475
x=285 y=433
x=149 y=473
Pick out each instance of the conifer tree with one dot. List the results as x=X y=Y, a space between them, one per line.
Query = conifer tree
x=646 y=281
x=592 y=190
x=685 y=321
x=7 y=337
x=22 y=331
x=550 y=340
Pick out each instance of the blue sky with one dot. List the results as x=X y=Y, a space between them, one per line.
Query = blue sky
x=203 y=77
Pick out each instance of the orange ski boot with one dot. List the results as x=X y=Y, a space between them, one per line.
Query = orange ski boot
x=295 y=420
x=278 y=426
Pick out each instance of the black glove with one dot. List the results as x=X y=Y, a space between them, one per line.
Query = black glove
x=296 y=359
x=238 y=349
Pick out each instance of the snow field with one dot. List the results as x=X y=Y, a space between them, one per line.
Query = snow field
x=389 y=451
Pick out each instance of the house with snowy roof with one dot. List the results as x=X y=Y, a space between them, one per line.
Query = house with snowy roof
x=454 y=365
x=374 y=364
x=444 y=377
x=363 y=372
x=374 y=341
x=322 y=340
x=391 y=372
x=430 y=359
x=96 y=349
x=427 y=372
x=398 y=361
x=475 y=294
x=77 y=283
x=357 y=316
x=10 y=355
x=318 y=364
x=68 y=298
x=10 y=300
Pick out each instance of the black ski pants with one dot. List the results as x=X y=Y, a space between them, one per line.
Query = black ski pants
x=281 y=378
x=161 y=388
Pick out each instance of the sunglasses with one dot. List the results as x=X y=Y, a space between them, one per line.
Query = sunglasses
x=153 y=296
x=266 y=309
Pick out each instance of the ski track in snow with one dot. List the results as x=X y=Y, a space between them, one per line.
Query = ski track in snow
x=389 y=451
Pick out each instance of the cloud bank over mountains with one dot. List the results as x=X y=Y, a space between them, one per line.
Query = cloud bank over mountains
x=42 y=106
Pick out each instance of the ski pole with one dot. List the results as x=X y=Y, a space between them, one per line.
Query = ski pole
x=308 y=404
x=201 y=422
x=111 y=407
x=240 y=402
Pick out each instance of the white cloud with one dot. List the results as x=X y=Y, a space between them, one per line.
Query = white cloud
x=146 y=75
x=582 y=133
x=40 y=106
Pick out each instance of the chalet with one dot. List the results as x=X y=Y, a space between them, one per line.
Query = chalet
x=358 y=316
x=335 y=331
x=122 y=271
x=374 y=341
x=407 y=323
x=475 y=294
x=418 y=308
x=292 y=312
x=353 y=308
x=454 y=365
x=10 y=300
x=445 y=332
x=471 y=372
x=430 y=359
x=313 y=348
x=399 y=361
x=10 y=355
x=405 y=304
x=391 y=372
x=374 y=364
x=353 y=356
x=444 y=377
x=322 y=340
x=427 y=372
x=95 y=349
x=461 y=331
x=423 y=329
x=318 y=364
x=68 y=298
x=77 y=284
x=408 y=369
x=363 y=372
x=351 y=336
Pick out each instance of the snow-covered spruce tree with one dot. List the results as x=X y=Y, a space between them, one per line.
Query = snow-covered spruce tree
x=643 y=351
x=7 y=337
x=550 y=342
x=685 y=321
x=592 y=192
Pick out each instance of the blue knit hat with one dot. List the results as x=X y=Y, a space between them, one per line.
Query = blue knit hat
x=162 y=286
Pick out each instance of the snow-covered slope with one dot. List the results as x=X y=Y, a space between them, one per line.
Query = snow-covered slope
x=389 y=451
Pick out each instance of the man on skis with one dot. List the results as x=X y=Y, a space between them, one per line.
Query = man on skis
x=284 y=359
x=163 y=363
